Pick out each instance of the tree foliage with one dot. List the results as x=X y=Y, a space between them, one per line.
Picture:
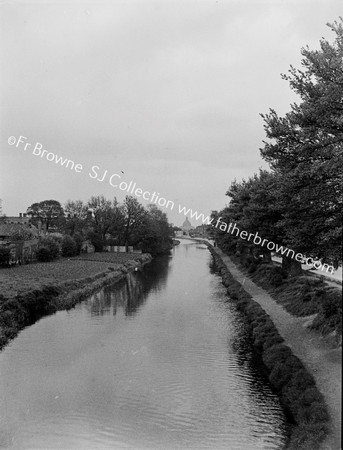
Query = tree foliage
x=76 y=212
x=299 y=203
x=68 y=247
x=22 y=234
x=104 y=222
x=134 y=220
x=157 y=232
x=48 y=249
x=305 y=150
x=49 y=212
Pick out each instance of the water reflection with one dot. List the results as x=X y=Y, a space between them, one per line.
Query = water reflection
x=131 y=293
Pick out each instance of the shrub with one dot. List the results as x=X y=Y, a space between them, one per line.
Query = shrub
x=307 y=297
x=272 y=274
x=4 y=256
x=276 y=279
x=276 y=353
x=332 y=305
x=315 y=412
x=310 y=395
x=264 y=329
x=78 y=238
x=7 y=318
x=97 y=241
x=233 y=292
x=252 y=268
x=259 y=318
x=51 y=245
x=241 y=304
x=57 y=237
x=44 y=255
x=272 y=340
x=308 y=436
x=283 y=372
x=69 y=247
x=265 y=341
x=301 y=379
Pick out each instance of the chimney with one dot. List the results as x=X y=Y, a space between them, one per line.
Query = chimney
x=24 y=215
x=20 y=215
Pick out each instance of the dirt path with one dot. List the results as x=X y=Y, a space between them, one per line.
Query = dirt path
x=322 y=361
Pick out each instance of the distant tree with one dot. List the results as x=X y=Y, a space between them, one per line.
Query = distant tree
x=96 y=240
x=134 y=221
x=48 y=249
x=22 y=234
x=157 y=233
x=78 y=238
x=76 y=213
x=104 y=215
x=49 y=212
x=69 y=247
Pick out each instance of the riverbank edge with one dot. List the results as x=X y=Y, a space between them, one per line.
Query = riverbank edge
x=25 y=309
x=293 y=383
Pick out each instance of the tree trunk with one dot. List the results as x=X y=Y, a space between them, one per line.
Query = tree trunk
x=267 y=257
x=291 y=267
x=244 y=252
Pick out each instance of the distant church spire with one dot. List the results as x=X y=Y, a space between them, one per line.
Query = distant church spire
x=186 y=226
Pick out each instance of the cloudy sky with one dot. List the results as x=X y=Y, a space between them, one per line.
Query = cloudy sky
x=168 y=92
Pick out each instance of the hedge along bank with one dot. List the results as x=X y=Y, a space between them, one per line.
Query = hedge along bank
x=25 y=309
x=288 y=376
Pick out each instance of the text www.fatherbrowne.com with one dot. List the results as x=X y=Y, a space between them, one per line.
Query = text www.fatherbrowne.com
x=154 y=197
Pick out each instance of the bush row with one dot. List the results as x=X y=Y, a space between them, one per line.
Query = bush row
x=51 y=246
x=288 y=376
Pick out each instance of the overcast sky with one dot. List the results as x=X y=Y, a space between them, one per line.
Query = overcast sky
x=168 y=92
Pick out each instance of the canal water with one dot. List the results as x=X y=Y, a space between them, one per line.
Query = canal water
x=161 y=361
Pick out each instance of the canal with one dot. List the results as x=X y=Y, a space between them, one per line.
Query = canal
x=161 y=361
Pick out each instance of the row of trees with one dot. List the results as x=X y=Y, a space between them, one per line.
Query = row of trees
x=299 y=202
x=106 y=222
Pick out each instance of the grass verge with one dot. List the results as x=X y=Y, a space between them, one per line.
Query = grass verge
x=301 y=296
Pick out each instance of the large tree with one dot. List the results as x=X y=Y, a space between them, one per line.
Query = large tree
x=48 y=212
x=305 y=151
x=157 y=232
x=76 y=212
x=134 y=221
x=103 y=215
x=254 y=207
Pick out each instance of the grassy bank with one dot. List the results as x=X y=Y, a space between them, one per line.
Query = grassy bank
x=301 y=296
x=288 y=376
x=304 y=296
x=33 y=291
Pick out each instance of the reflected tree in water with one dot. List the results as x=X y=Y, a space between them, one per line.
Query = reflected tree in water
x=130 y=293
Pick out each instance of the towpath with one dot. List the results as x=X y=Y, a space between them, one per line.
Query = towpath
x=322 y=361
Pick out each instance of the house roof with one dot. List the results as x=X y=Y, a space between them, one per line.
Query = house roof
x=6 y=229
x=14 y=219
